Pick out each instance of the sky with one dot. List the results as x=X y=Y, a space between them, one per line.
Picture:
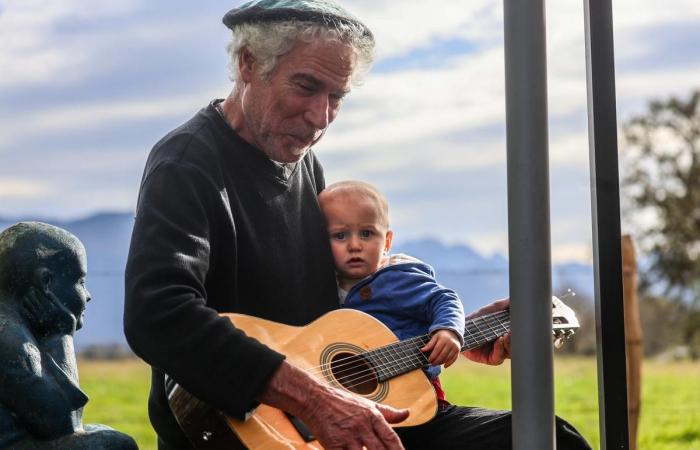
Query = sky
x=87 y=88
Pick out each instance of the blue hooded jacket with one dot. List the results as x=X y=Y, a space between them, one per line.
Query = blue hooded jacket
x=404 y=295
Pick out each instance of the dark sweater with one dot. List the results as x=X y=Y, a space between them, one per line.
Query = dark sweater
x=219 y=229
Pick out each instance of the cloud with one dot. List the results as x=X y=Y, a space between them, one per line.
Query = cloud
x=66 y=42
x=415 y=24
x=13 y=188
x=86 y=90
x=31 y=52
x=63 y=119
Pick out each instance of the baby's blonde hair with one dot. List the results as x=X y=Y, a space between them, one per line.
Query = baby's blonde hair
x=361 y=189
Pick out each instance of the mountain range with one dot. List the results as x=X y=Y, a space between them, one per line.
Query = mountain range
x=477 y=278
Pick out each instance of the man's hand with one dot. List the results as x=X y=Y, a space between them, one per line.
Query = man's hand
x=338 y=419
x=493 y=353
x=443 y=347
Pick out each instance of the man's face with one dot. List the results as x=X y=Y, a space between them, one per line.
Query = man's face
x=357 y=233
x=68 y=284
x=286 y=114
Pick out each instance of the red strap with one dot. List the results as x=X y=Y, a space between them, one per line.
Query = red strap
x=438 y=391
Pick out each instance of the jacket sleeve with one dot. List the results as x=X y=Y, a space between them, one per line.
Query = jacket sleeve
x=445 y=310
x=440 y=305
x=167 y=321
x=425 y=299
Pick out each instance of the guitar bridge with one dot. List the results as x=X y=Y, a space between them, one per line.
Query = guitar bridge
x=301 y=428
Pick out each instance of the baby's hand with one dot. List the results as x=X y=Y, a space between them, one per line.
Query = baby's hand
x=443 y=347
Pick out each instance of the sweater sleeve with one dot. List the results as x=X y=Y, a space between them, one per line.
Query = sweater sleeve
x=441 y=305
x=446 y=311
x=167 y=321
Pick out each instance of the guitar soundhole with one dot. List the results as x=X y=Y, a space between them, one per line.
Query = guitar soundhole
x=353 y=373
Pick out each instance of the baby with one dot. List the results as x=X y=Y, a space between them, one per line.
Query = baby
x=398 y=290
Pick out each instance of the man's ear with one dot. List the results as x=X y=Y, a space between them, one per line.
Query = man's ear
x=43 y=277
x=246 y=65
x=387 y=242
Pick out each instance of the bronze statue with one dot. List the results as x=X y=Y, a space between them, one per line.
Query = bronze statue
x=42 y=302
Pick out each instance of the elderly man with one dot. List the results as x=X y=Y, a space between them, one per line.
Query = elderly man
x=228 y=221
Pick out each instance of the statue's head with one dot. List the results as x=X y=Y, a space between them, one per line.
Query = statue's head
x=46 y=266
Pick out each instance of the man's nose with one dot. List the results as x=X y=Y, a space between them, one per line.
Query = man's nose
x=318 y=112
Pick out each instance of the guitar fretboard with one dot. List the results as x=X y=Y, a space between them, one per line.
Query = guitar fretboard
x=400 y=357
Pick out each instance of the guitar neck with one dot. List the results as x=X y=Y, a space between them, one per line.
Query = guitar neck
x=400 y=357
x=486 y=328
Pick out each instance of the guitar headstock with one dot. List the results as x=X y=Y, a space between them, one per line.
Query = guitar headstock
x=564 y=322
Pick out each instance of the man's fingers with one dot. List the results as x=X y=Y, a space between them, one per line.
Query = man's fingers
x=389 y=439
x=392 y=415
x=371 y=442
x=506 y=345
x=495 y=306
x=501 y=350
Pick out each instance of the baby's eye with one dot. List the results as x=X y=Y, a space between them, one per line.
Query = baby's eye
x=366 y=233
x=339 y=236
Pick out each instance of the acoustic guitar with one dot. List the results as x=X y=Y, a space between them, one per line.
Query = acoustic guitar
x=349 y=350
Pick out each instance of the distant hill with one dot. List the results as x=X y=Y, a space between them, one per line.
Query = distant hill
x=476 y=278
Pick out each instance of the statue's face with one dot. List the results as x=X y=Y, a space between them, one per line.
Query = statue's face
x=68 y=284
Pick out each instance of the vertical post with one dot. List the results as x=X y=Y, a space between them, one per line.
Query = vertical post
x=633 y=331
x=605 y=205
x=528 y=225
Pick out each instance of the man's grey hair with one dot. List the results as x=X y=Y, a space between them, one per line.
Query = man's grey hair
x=268 y=41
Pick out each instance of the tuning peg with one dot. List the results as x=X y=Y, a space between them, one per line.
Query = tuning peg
x=558 y=342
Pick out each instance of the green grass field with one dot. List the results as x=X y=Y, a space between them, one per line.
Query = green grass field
x=670 y=418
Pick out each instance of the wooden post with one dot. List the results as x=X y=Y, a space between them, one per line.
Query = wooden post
x=633 y=340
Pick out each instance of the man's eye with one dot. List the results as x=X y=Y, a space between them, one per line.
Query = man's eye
x=305 y=87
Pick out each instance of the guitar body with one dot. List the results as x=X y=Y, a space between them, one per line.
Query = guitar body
x=327 y=348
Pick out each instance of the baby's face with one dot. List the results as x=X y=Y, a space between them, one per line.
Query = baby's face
x=358 y=236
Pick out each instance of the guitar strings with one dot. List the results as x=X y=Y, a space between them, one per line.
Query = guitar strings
x=370 y=374
x=488 y=320
x=355 y=379
x=492 y=322
x=374 y=371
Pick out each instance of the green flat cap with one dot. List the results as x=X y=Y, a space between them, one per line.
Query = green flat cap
x=321 y=11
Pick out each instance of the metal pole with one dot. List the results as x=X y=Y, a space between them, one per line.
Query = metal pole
x=605 y=205
x=528 y=225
